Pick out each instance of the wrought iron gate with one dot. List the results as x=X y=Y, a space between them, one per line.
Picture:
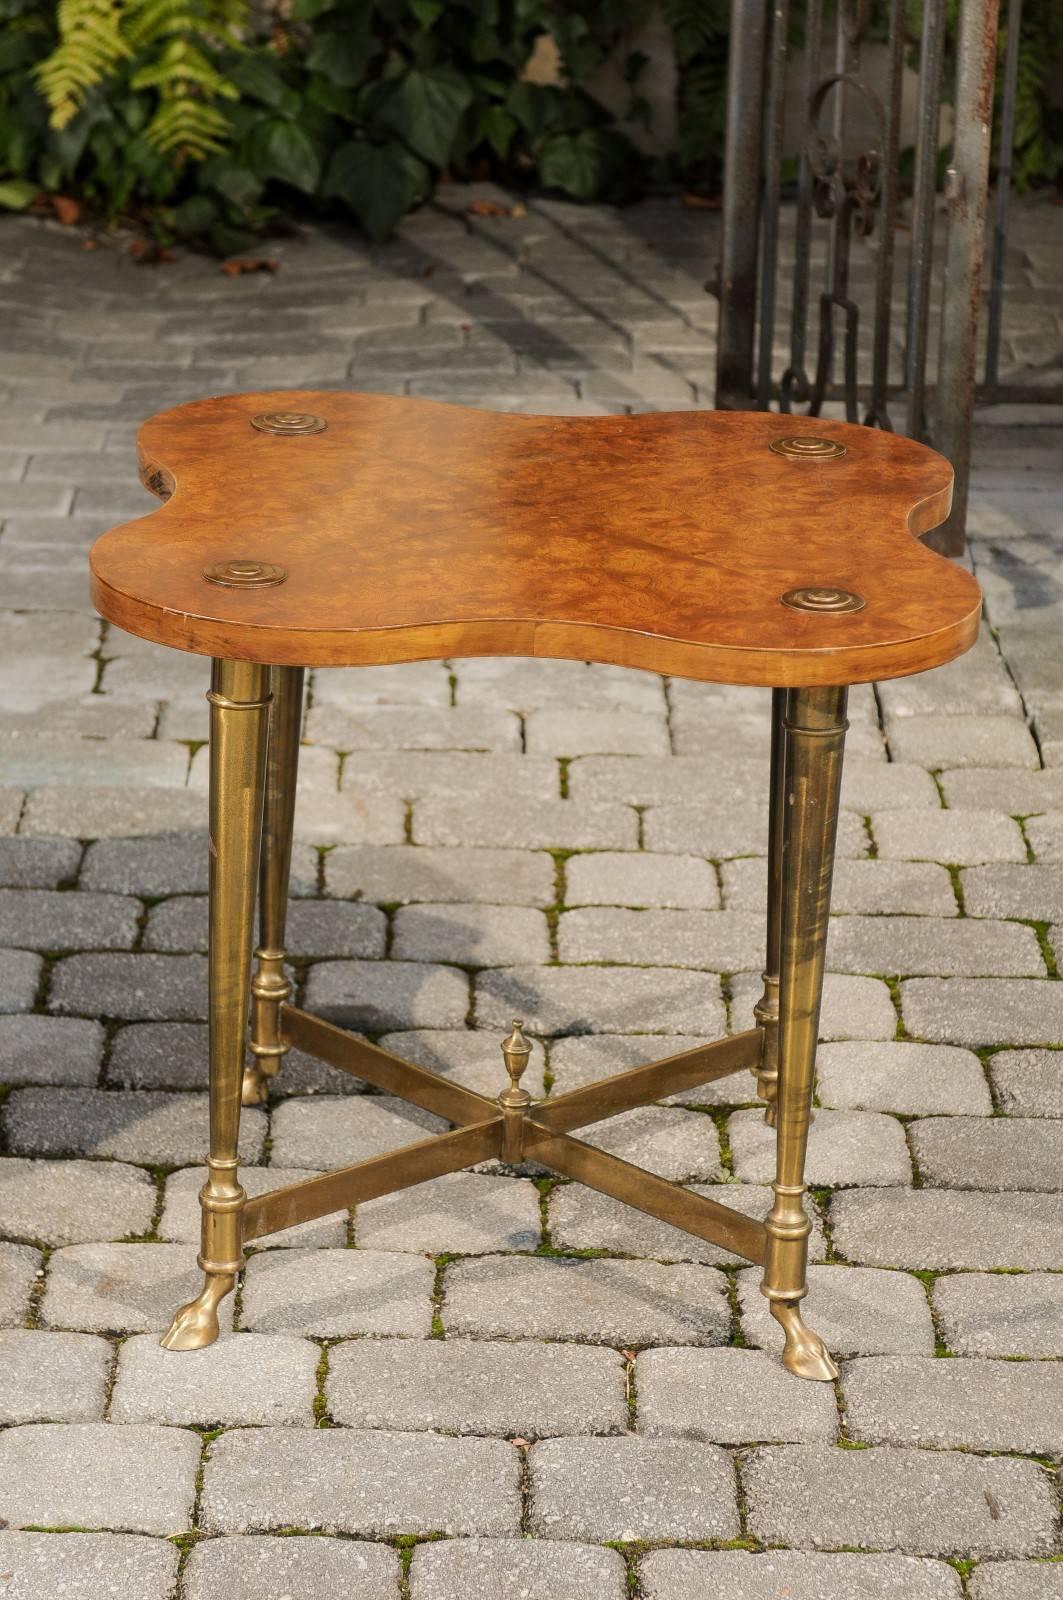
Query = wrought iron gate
x=848 y=190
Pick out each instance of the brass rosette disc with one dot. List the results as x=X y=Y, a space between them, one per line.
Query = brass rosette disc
x=826 y=601
x=245 y=574
x=808 y=447
x=289 y=423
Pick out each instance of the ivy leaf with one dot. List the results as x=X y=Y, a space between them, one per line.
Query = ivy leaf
x=342 y=57
x=426 y=11
x=379 y=182
x=498 y=128
x=310 y=10
x=195 y=215
x=582 y=164
x=254 y=74
x=17 y=193
x=426 y=108
x=282 y=150
x=537 y=107
x=232 y=181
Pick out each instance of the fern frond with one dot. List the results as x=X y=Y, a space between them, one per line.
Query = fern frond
x=90 y=46
x=187 y=127
x=179 y=66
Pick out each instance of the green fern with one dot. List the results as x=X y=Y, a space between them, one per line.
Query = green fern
x=90 y=47
x=170 y=41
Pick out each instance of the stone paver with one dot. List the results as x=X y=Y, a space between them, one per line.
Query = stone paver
x=159 y=1055
x=941 y=1229
x=55 y=1377
x=844 y=1147
x=19 y=1267
x=876 y=888
x=313 y=929
x=994 y=1153
x=596 y=1489
x=513 y=821
x=804 y=1575
x=506 y=1388
x=558 y=1000
x=721 y=941
x=73 y=1202
x=910 y=1079
x=600 y=1302
x=970 y=741
x=90 y=1475
x=321 y=1132
x=915 y=1501
x=249 y=1378
x=477 y=936
x=855 y=1310
x=135 y=1125
x=38 y=1049
x=964 y=838
x=1005 y=890
x=20 y=976
x=379 y=995
x=332 y=1293
x=47 y=919
x=983 y=1011
x=87 y=1566
x=369 y=1483
x=1001 y=1314
x=499 y=1569
x=407 y=873
x=1015 y=1580
x=1029 y=1083
x=258 y=1567
x=728 y=1397
x=138 y=988
x=908 y=945
x=38 y=863
x=464 y=1211
x=961 y=1404
x=122 y=1288
x=618 y=878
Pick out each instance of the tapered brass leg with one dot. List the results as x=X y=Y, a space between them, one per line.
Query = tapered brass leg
x=239 y=710
x=269 y=986
x=815 y=735
x=766 y=1010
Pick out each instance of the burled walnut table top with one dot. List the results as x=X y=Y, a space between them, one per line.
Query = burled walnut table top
x=333 y=529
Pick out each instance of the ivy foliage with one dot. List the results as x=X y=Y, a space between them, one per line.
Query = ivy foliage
x=208 y=119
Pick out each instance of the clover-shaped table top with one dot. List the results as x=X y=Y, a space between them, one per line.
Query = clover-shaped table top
x=337 y=529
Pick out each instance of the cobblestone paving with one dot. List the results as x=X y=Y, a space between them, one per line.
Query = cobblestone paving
x=579 y=1400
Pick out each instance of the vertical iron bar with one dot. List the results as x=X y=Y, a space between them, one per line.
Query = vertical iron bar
x=795 y=384
x=741 y=205
x=917 y=338
x=1003 y=195
x=769 y=255
x=886 y=223
x=966 y=186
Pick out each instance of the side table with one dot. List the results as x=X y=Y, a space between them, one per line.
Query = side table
x=335 y=529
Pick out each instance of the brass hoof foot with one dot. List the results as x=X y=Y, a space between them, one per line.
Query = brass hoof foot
x=805 y=1354
x=196 y=1324
x=255 y=1090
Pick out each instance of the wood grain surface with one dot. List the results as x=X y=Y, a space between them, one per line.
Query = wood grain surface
x=411 y=530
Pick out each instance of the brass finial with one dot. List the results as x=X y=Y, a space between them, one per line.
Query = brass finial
x=289 y=423
x=515 y=1053
x=823 y=599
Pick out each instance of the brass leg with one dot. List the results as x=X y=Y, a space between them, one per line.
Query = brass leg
x=815 y=734
x=269 y=986
x=766 y=1010
x=239 y=710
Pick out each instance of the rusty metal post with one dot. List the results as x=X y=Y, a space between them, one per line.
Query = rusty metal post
x=966 y=189
x=740 y=237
